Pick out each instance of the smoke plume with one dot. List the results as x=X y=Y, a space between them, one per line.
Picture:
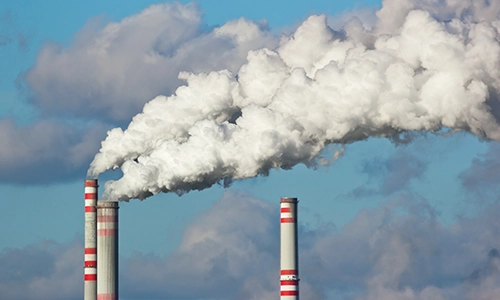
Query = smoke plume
x=420 y=68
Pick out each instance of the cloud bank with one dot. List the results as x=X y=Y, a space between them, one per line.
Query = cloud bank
x=399 y=250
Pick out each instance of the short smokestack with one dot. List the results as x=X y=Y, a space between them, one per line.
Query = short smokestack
x=107 y=250
x=289 y=260
x=90 y=243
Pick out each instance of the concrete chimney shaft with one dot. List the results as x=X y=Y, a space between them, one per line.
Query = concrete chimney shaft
x=90 y=242
x=107 y=250
x=289 y=261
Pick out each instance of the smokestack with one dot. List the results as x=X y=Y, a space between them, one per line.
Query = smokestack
x=289 y=260
x=107 y=250
x=90 y=244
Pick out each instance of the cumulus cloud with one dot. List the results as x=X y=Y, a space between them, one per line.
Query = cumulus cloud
x=364 y=16
x=46 y=151
x=401 y=251
x=229 y=252
x=398 y=250
x=111 y=70
x=393 y=12
x=46 y=270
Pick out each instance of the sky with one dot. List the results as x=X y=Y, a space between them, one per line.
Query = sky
x=381 y=117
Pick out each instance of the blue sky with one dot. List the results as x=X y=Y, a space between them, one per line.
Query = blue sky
x=386 y=219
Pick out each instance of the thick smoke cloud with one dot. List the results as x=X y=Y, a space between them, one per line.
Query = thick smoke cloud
x=111 y=71
x=399 y=250
x=412 y=72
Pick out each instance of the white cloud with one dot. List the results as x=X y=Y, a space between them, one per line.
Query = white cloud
x=393 y=12
x=110 y=71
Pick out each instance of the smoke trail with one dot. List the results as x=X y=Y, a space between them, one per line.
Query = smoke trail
x=417 y=69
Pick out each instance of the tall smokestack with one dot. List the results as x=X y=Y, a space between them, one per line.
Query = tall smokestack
x=289 y=260
x=107 y=250
x=90 y=259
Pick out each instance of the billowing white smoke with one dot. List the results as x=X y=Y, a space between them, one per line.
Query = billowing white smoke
x=413 y=71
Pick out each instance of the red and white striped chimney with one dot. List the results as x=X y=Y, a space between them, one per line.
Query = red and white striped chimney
x=90 y=243
x=107 y=250
x=289 y=260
